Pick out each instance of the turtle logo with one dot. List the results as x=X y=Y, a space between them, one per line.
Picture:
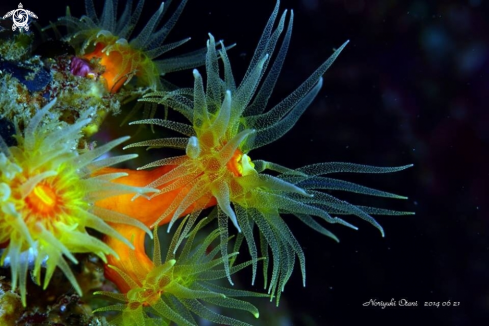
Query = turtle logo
x=20 y=18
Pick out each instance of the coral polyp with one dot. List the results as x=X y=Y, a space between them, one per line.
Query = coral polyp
x=71 y=222
x=46 y=199
x=227 y=122
x=178 y=288
x=107 y=40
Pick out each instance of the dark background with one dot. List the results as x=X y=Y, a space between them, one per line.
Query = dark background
x=411 y=87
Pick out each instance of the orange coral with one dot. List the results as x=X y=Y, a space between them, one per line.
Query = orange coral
x=115 y=74
x=109 y=38
x=47 y=196
x=146 y=211
x=178 y=288
x=120 y=63
x=126 y=256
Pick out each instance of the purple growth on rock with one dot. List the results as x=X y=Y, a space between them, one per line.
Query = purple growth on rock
x=80 y=67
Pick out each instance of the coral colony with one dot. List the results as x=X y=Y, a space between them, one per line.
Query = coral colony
x=66 y=212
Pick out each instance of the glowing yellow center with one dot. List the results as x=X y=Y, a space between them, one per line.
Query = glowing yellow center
x=240 y=164
x=43 y=199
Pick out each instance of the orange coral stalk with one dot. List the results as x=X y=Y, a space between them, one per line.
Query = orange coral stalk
x=126 y=257
x=144 y=209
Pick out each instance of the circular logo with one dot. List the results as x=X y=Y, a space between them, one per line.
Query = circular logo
x=20 y=17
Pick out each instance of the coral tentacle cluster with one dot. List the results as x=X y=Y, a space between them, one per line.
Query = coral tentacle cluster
x=108 y=40
x=61 y=196
x=46 y=199
x=175 y=289
x=227 y=121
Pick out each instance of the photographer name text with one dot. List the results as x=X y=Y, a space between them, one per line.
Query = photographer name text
x=407 y=303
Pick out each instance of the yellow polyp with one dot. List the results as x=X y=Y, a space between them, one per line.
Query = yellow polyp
x=91 y=129
x=240 y=164
x=247 y=166
x=234 y=163
x=46 y=195
x=94 y=126
x=148 y=286
x=43 y=199
x=229 y=119
x=46 y=200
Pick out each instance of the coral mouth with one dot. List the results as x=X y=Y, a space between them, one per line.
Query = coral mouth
x=43 y=200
